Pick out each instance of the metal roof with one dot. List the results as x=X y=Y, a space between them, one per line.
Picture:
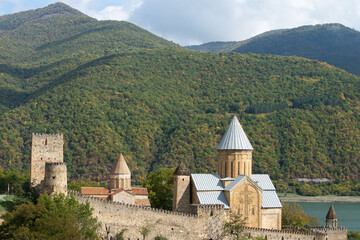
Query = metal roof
x=235 y=182
x=270 y=200
x=213 y=198
x=207 y=182
x=228 y=179
x=263 y=181
x=235 y=138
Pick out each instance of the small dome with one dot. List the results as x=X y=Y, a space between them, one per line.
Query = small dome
x=182 y=170
x=120 y=167
x=331 y=213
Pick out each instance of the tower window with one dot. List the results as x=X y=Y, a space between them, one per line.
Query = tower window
x=225 y=169
x=232 y=169
x=45 y=141
x=238 y=168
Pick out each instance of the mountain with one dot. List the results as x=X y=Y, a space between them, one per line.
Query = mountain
x=331 y=43
x=160 y=104
x=58 y=32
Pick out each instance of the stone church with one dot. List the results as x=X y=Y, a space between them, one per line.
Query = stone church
x=250 y=196
x=120 y=187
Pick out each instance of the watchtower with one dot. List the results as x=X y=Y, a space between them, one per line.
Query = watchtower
x=44 y=148
x=181 y=198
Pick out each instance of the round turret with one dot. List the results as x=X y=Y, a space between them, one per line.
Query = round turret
x=55 y=178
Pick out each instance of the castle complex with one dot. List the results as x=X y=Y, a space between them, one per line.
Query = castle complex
x=202 y=203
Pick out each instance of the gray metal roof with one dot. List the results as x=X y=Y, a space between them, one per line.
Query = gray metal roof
x=263 y=181
x=213 y=198
x=270 y=200
x=238 y=179
x=228 y=179
x=207 y=182
x=235 y=138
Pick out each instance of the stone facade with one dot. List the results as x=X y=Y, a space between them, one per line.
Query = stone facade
x=245 y=201
x=181 y=196
x=271 y=218
x=232 y=163
x=44 y=148
x=55 y=178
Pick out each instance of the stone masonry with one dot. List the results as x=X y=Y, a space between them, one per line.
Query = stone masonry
x=44 y=148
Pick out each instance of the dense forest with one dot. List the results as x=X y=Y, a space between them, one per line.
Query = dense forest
x=332 y=43
x=111 y=86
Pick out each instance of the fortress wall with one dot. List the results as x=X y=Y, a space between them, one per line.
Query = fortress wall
x=339 y=233
x=281 y=235
x=206 y=222
x=172 y=225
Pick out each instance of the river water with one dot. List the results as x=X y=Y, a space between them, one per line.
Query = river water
x=348 y=214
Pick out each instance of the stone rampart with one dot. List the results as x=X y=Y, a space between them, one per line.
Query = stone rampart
x=283 y=235
x=205 y=222
x=339 y=233
x=173 y=225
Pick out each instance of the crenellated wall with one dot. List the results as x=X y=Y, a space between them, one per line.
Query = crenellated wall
x=174 y=225
x=205 y=222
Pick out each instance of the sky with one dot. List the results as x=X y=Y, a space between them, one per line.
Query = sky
x=190 y=22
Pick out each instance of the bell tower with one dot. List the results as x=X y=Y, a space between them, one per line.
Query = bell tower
x=234 y=152
x=181 y=192
x=120 y=175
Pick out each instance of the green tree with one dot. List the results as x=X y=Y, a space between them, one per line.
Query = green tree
x=76 y=185
x=235 y=227
x=353 y=235
x=293 y=215
x=160 y=186
x=145 y=231
x=56 y=217
x=120 y=235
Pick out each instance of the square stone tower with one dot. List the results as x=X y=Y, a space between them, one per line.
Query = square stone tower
x=44 y=148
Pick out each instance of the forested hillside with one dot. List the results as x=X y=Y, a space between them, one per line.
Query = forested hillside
x=331 y=43
x=160 y=104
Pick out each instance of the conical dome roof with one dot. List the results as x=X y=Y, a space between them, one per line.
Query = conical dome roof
x=235 y=138
x=120 y=167
x=331 y=213
x=182 y=170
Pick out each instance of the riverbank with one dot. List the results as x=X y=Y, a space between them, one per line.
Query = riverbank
x=291 y=197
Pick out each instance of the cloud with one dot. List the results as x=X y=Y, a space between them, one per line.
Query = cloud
x=192 y=22
x=189 y=22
